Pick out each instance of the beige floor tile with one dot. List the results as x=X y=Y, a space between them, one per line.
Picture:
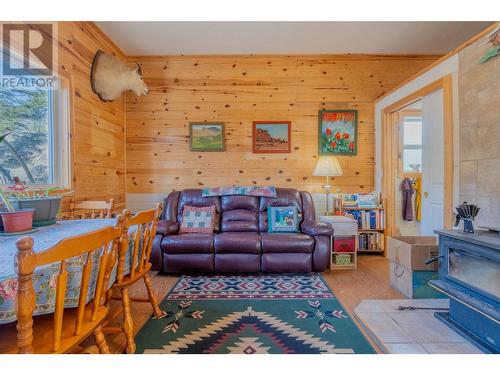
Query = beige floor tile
x=451 y=348
x=423 y=327
x=406 y=348
x=384 y=328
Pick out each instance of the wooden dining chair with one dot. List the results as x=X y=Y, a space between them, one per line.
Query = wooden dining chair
x=91 y=209
x=66 y=328
x=137 y=239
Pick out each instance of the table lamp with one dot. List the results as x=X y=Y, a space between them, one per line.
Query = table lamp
x=327 y=166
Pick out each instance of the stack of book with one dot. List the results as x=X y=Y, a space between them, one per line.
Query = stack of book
x=370 y=241
x=367 y=219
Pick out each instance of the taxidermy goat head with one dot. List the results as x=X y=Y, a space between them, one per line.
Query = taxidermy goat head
x=110 y=78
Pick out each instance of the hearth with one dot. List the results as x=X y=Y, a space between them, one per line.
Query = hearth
x=469 y=273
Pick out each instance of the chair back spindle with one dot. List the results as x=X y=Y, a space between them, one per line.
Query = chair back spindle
x=145 y=223
x=91 y=209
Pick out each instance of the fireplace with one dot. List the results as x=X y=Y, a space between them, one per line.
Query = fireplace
x=469 y=273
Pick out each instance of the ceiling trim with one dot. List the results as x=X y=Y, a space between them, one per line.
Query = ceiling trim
x=347 y=56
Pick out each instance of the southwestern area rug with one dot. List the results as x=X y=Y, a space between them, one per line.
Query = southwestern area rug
x=275 y=314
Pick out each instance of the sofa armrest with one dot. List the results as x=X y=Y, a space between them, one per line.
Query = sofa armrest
x=167 y=227
x=315 y=228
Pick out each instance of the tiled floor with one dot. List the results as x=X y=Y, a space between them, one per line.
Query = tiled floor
x=410 y=332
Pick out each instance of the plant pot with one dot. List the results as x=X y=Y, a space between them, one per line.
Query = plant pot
x=46 y=209
x=18 y=221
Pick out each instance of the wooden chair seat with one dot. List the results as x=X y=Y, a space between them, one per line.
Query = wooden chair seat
x=43 y=331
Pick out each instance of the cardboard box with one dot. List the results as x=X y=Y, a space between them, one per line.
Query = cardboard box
x=413 y=284
x=411 y=251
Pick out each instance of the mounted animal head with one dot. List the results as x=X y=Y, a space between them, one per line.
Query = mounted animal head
x=110 y=78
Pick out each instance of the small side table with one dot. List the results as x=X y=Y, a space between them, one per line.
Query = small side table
x=344 y=229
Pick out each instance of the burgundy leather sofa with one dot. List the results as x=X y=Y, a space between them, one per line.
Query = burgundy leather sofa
x=240 y=242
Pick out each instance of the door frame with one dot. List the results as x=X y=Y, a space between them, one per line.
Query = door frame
x=390 y=150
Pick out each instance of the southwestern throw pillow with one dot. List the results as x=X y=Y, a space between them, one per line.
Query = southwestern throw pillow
x=197 y=219
x=282 y=219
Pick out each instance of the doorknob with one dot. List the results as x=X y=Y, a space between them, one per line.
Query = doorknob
x=426 y=194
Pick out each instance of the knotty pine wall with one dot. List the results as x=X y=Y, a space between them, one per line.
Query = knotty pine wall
x=98 y=138
x=237 y=90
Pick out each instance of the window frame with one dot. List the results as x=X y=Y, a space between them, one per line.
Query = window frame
x=401 y=116
x=60 y=130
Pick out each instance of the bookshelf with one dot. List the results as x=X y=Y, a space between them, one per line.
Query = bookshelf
x=371 y=232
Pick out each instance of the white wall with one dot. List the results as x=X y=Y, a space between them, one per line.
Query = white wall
x=449 y=66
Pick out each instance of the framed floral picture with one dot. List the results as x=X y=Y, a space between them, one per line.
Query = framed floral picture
x=206 y=136
x=271 y=137
x=338 y=132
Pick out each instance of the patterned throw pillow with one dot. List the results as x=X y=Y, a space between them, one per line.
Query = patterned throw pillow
x=282 y=219
x=197 y=219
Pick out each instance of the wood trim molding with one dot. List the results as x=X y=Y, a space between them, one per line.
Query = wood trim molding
x=390 y=149
x=442 y=58
x=92 y=28
x=347 y=56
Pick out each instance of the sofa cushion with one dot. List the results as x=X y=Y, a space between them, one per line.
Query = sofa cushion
x=284 y=198
x=188 y=243
x=192 y=197
x=239 y=214
x=283 y=219
x=233 y=202
x=239 y=221
x=286 y=243
x=237 y=242
x=197 y=220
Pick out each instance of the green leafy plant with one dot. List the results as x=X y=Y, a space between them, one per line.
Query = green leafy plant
x=6 y=202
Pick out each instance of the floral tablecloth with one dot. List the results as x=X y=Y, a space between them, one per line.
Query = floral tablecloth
x=45 y=277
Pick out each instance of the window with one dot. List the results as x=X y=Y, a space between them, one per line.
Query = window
x=412 y=143
x=34 y=136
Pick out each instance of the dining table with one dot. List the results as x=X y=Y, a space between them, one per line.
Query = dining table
x=44 y=278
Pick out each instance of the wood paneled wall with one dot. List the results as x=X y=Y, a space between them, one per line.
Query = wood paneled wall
x=98 y=138
x=237 y=90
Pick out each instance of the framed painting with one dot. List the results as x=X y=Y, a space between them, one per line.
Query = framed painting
x=338 y=132
x=271 y=137
x=206 y=136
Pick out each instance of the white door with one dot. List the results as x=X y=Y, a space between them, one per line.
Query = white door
x=432 y=163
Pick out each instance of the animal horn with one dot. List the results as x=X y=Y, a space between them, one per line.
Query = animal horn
x=139 y=69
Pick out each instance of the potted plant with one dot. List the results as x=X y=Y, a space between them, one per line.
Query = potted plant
x=45 y=202
x=15 y=220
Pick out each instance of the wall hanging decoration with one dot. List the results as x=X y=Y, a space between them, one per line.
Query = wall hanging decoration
x=206 y=136
x=109 y=78
x=494 y=51
x=338 y=132
x=271 y=137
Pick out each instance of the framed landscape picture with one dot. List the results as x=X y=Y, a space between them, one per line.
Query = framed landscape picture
x=206 y=136
x=271 y=137
x=338 y=132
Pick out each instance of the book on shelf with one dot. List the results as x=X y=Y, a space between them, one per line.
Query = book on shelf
x=367 y=219
x=367 y=200
x=370 y=241
x=349 y=200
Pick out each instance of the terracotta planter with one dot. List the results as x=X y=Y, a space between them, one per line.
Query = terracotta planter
x=18 y=221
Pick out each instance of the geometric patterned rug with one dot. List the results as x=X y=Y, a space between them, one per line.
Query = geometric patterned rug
x=258 y=314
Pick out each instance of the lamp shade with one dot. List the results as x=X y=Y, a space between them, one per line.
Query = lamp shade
x=327 y=166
